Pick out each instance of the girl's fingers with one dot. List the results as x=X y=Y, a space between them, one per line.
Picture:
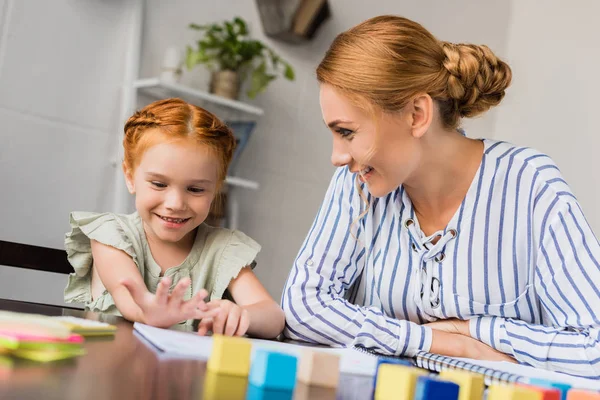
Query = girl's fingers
x=204 y=326
x=219 y=321
x=244 y=324
x=162 y=291
x=178 y=292
x=199 y=314
x=233 y=320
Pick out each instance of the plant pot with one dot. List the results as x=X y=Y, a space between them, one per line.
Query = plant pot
x=226 y=84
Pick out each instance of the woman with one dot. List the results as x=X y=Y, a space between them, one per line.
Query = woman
x=429 y=240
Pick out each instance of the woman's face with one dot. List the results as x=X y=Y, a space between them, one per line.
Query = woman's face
x=381 y=149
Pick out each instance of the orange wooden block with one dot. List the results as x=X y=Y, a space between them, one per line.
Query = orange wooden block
x=577 y=394
x=547 y=393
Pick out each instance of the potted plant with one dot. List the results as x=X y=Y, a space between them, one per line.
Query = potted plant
x=228 y=51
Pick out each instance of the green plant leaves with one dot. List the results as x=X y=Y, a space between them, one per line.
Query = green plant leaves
x=228 y=46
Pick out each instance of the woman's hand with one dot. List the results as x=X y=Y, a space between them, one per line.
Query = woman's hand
x=451 y=337
x=165 y=309
x=452 y=325
x=229 y=319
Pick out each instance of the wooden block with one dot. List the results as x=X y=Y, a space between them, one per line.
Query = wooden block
x=230 y=355
x=261 y=393
x=512 y=392
x=577 y=394
x=273 y=370
x=547 y=393
x=396 y=382
x=390 y=360
x=218 y=386
x=435 y=389
x=471 y=384
x=319 y=368
x=562 y=387
x=307 y=392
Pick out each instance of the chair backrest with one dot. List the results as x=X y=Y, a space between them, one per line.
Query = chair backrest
x=34 y=257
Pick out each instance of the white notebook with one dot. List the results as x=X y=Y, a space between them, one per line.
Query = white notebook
x=177 y=344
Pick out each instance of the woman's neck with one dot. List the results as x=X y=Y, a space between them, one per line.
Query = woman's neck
x=442 y=180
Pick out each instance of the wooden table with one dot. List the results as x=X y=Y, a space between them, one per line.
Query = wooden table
x=122 y=367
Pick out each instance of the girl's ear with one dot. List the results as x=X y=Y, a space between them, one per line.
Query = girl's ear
x=128 y=179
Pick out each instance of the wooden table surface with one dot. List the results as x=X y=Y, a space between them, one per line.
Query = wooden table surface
x=123 y=367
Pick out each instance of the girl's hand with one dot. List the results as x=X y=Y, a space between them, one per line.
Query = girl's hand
x=165 y=309
x=229 y=319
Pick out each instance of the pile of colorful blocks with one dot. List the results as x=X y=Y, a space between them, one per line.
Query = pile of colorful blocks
x=234 y=373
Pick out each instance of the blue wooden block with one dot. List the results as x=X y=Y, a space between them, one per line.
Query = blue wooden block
x=386 y=360
x=257 y=393
x=273 y=370
x=435 y=389
x=562 y=387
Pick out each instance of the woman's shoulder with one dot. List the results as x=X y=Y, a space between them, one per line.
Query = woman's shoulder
x=526 y=167
x=515 y=155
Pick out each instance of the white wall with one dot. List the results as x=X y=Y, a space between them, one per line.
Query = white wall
x=553 y=102
x=61 y=67
x=290 y=151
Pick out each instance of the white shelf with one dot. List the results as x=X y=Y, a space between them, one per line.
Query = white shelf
x=155 y=88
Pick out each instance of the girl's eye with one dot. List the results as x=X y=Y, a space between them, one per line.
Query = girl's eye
x=158 y=184
x=196 y=190
x=344 y=132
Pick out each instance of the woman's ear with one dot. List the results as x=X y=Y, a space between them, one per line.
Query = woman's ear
x=421 y=110
x=128 y=179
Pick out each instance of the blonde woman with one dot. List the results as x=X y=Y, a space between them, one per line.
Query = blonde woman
x=430 y=240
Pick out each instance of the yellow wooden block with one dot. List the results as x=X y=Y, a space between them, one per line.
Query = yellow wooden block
x=471 y=385
x=319 y=368
x=218 y=386
x=396 y=382
x=230 y=355
x=512 y=392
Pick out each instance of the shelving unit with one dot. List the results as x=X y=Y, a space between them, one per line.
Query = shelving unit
x=154 y=88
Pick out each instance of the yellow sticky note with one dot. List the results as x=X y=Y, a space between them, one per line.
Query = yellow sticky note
x=230 y=355
x=396 y=382
x=512 y=392
x=471 y=385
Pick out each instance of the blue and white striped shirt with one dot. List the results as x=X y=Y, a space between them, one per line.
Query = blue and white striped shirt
x=518 y=259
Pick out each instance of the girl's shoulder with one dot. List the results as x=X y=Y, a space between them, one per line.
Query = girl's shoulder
x=224 y=252
x=227 y=243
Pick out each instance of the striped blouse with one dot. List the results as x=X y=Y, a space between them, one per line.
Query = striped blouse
x=518 y=260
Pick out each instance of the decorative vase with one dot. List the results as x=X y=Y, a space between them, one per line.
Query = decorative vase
x=226 y=84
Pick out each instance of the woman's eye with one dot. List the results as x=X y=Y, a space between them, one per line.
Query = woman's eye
x=196 y=190
x=158 y=184
x=344 y=132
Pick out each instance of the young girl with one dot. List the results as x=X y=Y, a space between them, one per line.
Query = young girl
x=158 y=264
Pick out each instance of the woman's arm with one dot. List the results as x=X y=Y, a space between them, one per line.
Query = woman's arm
x=566 y=282
x=329 y=262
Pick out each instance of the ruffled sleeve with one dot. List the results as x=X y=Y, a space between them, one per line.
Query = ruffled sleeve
x=109 y=229
x=239 y=251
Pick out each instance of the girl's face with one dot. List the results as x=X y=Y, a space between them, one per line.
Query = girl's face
x=174 y=186
x=383 y=151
